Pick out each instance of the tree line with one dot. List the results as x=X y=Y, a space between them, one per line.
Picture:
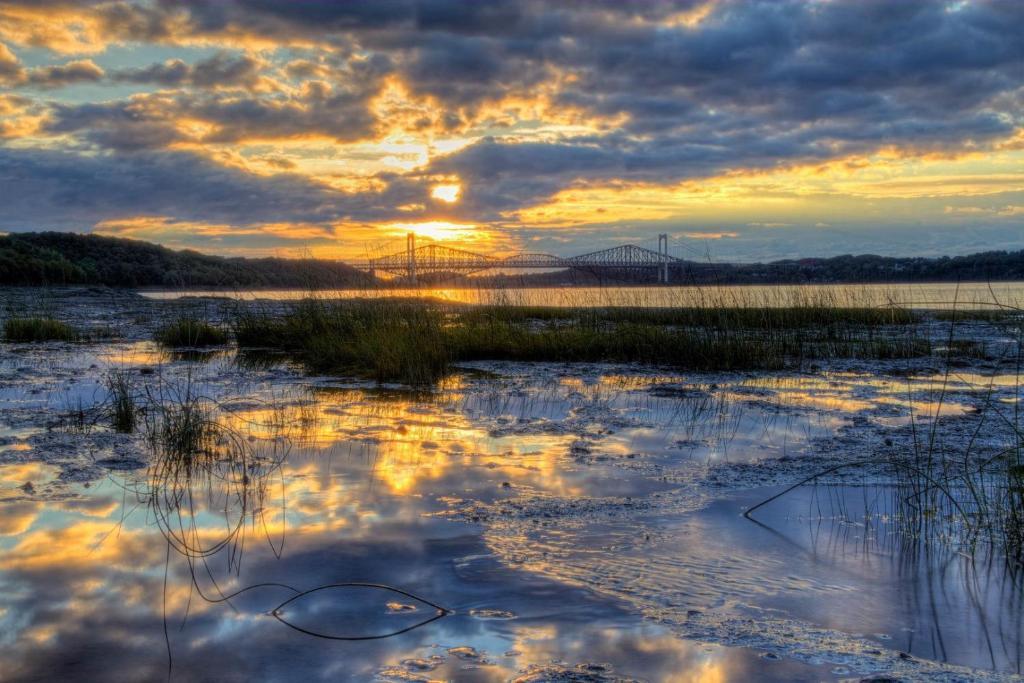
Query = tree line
x=56 y=258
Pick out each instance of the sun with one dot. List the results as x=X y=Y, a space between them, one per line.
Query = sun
x=446 y=193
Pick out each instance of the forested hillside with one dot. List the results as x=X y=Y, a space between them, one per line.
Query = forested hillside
x=53 y=258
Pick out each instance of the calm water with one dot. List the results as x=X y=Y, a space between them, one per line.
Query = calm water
x=943 y=295
x=570 y=520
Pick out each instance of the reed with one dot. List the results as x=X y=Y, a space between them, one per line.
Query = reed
x=123 y=403
x=968 y=494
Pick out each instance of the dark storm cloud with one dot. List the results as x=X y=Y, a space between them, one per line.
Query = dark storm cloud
x=761 y=84
x=774 y=56
x=50 y=189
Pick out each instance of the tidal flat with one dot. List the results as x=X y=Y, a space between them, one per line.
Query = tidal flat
x=258 y=517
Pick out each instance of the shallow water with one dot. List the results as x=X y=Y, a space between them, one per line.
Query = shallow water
x=918 y=295
x=569 y=520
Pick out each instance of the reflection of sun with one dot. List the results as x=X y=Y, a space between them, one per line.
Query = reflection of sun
x=446 y=193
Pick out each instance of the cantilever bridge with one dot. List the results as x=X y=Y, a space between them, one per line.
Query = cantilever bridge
x=438 y=259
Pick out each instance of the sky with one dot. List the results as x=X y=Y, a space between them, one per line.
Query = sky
x=746 y=130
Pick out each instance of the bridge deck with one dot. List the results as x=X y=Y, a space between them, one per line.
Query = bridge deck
x=439 y=258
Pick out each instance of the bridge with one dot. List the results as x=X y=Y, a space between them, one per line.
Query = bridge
x=434 y=259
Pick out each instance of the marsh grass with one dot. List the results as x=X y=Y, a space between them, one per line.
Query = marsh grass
x=713 y=317
x=183 y=430
x=389 y=340
x=416 y=341
x=190 y=332
x=969 y=494
x=38 y=329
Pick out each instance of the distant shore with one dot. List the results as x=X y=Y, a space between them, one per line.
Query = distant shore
x=51 y=258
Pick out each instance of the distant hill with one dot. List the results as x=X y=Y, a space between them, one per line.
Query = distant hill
x=980 y=267
x=56 y=258
x=990 y=266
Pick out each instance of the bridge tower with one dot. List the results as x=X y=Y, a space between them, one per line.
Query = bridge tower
x=663 y=252
x=410 y=250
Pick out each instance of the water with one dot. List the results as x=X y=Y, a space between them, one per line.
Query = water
x=570 y=520
x=939 y=296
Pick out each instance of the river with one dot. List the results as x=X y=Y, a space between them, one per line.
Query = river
x=917 y=295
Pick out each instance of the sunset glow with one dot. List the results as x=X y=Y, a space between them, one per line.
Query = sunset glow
x=293 y=128
x=441 y=231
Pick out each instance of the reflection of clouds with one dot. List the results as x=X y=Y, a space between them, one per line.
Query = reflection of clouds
x=656 y=655
x=101 y=508
x=400 y=442
x=26 y=473
x=853 y=392
x=335 y=485
x=77 y=545
x=363 y=467
x=18 y=516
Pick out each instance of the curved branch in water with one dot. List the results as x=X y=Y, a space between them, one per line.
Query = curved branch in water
x=441 y=611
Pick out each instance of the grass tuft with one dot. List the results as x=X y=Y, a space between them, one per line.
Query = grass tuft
x=190 y=332
x=124 y=411
x=38 y=330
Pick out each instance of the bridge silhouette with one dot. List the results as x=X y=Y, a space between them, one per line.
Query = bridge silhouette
x=434 y=259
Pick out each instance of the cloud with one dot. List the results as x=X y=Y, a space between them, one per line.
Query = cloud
x=61 y=190
x=139 y=123
x=536 y=98
x=13 y=73
x=80 y=71
x=156 y=121
x=223 y=70
x=201 y=106
x=710 y=235
x=10 y=65
x=1009 y=211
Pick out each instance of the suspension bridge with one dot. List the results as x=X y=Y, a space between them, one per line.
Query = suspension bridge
x=434 y=259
